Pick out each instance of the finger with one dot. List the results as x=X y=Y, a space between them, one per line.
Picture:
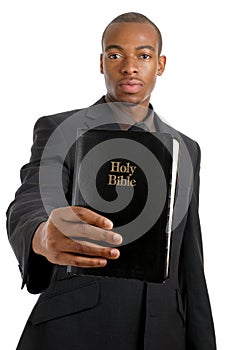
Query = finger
x=85 y=248
x=93 y=233
x=80 y=261
x=75 y=214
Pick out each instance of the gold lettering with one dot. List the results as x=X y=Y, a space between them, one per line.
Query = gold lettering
x=121 y=180
x=112 y=180
x=115 y=167
x=132 y=168
x=123 y=169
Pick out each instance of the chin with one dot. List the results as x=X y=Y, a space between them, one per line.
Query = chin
x=133 y=100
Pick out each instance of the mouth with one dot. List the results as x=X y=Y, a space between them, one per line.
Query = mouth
x=130 y=86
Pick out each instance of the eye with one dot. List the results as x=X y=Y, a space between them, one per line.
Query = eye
x=145 y=56
x=114 y=56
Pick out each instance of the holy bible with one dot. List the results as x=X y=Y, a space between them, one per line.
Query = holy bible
x=130 y=178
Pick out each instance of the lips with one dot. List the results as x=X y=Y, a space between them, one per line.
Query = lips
x=130 y=86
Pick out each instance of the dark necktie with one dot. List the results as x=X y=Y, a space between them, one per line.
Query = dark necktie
x=139 y=126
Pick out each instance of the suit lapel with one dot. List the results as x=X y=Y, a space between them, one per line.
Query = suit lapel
x=100 y=116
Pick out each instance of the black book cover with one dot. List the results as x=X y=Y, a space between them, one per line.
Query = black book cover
x=127 y=177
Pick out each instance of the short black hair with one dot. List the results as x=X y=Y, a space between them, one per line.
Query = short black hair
x=135 y=17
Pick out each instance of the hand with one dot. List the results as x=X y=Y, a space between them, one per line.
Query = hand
x=57 y=238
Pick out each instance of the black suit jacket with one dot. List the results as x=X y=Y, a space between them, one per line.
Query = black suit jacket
x=92 y=312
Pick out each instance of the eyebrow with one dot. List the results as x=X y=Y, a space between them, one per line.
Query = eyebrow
x=118 y=47
x=149 y=47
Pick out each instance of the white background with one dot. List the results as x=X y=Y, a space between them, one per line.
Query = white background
x=50 y=63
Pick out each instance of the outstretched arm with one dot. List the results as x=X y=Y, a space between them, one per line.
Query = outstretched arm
x=40 y=230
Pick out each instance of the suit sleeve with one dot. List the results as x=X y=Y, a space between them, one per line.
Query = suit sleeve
x=199 y=323
x=28 y=209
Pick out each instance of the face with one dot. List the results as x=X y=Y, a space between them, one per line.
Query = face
x=130 y=62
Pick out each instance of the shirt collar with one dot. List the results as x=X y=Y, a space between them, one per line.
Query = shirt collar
x=125 y=122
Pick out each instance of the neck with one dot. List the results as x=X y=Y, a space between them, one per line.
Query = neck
x=136 y=112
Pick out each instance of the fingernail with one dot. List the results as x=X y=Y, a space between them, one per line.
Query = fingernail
x=108 y=223
x=102 y=262
x=117 y=238
x=114 y=252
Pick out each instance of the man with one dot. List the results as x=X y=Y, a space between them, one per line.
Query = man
x=92 y=312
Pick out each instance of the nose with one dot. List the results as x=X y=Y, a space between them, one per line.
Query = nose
x=129 y=66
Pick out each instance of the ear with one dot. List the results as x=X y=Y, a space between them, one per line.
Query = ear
x=161 y=65
x=101 y=63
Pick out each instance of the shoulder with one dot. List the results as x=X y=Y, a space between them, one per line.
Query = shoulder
x=189 y=147
x=194 y=151
x=55 y=119
x=191 y=144
x=64 y=122
x=46 y=125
